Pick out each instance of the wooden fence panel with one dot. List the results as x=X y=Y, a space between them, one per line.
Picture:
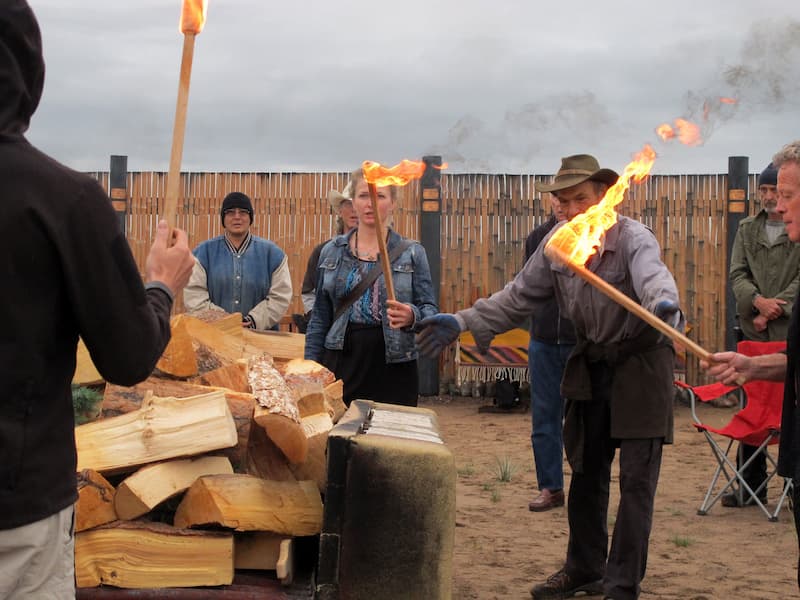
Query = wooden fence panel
x=485 y=220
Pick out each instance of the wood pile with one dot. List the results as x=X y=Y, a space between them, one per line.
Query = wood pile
x=214 y=463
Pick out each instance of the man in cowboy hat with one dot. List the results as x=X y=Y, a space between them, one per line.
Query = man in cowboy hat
x=617 y=382
x=346 y=219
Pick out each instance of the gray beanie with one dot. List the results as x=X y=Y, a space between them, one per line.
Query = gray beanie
x=769 y=176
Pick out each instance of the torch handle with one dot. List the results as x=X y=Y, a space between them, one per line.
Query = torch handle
x=384 y=255
x=179 y=129
x=634 y=307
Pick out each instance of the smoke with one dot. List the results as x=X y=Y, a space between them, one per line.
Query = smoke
x=523 y=133
x=763 y=80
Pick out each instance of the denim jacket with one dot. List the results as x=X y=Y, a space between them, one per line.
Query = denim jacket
x=412 y=285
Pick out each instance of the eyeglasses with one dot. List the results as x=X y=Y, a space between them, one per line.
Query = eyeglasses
x=239 y=212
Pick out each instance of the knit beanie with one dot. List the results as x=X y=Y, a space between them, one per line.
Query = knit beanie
x=769 y=176
x=236 y=200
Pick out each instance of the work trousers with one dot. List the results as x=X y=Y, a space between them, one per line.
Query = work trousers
x=38 y=560
x=588 y=559
x=546 y=364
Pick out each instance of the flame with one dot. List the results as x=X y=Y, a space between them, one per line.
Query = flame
x=193 y=16
x=577 y=240
x=728 y=100
x=687 y=132
x=665 y=131
x=400 y=174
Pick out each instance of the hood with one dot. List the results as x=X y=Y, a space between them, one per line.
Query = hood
x=21 y=66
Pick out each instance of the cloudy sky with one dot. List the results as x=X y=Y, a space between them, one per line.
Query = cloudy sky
x=507 y=86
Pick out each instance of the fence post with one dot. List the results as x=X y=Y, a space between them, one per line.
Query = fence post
x=736 y=208
x=430 y=236
x=118 y=188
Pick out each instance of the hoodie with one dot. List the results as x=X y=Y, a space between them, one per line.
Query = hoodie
x=67 y=271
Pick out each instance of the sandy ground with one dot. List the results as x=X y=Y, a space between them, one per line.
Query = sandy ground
x=502 y=549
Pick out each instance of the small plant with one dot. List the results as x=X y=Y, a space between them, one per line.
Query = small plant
x=466 y=471
x=487 y=487
x=495 y=497
x=505 y=469
x=681 y=541
x=86 y=404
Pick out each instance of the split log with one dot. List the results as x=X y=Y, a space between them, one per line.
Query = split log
x=264 y=459
x=246 y=503
x=179 y=358
x=141 y=554
x=334 y=397
x=314 y=467
x=310 y=397
x=281 y=345
x=151 y=485
x=161 y=429
x=230 y=347
x=95 y=504
x=119 y=400
x=233 y=377
x=276 y=410
x=259 y=550
x=301 y=369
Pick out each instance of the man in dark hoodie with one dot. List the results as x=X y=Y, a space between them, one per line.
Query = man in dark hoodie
x=67 y=271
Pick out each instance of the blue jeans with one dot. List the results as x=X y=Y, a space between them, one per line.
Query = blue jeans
x=546 y=365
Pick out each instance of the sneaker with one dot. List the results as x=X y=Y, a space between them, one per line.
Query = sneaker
x=560 y=585
x=731 y=500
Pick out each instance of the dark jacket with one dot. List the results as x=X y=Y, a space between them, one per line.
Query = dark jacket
x=548 y=326
x=66 y=271
x=789 y=447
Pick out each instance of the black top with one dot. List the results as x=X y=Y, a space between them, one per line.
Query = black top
x=67 y=270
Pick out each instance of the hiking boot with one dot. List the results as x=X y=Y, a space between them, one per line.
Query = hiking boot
x=731 y=500
x=560 y=585
x=546 y=500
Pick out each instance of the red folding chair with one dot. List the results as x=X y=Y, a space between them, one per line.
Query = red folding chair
x=757 y=424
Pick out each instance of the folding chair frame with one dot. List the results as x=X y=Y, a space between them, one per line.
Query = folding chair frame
x=734 y=480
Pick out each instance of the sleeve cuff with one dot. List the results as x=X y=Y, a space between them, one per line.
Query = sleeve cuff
x=462 y=324
x=157 y=285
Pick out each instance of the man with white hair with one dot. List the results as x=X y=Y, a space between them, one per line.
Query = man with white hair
x=733 y=368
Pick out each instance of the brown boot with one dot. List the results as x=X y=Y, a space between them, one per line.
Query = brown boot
x=546 y=500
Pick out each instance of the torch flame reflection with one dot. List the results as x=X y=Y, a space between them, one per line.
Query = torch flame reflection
x=579 y=239
x=193 y=16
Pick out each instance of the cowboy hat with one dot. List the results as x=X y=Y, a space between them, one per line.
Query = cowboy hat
x=335 y=198
x=576 y=169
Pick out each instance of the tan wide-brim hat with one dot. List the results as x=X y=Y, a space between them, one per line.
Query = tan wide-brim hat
x=335 y=198
x=576 y=169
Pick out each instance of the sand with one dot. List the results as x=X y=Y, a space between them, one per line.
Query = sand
x=502 y=549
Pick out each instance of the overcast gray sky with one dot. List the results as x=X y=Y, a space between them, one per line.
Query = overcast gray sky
x=507 y=86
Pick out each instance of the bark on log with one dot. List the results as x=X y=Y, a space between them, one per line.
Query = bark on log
x=95 y=504
x=246 y=503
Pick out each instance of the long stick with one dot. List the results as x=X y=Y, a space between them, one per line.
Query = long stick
x=638 y=310
x=178 y=131
x=387 y=268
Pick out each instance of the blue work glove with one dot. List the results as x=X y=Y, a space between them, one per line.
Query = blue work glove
x=669 y=312
x=434 y=333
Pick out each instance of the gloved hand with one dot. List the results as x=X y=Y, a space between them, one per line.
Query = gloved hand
x=434 y=333
x=669 y=312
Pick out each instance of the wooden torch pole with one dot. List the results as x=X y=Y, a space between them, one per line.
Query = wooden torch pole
x=173 y=178
x=634 y=307
x=384 y=256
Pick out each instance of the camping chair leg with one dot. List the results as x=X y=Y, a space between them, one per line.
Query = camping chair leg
x=723 y=463
x=787 y=488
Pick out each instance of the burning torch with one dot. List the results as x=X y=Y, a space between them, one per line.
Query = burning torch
x=376 y=175
x=576 y=241
x=193 y=17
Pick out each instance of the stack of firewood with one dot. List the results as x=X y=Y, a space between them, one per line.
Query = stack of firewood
x=214 y=463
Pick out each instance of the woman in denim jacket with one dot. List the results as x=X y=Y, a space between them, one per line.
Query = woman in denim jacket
x=370 y=346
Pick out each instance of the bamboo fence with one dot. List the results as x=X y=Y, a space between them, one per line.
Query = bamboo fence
x=485 y=220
